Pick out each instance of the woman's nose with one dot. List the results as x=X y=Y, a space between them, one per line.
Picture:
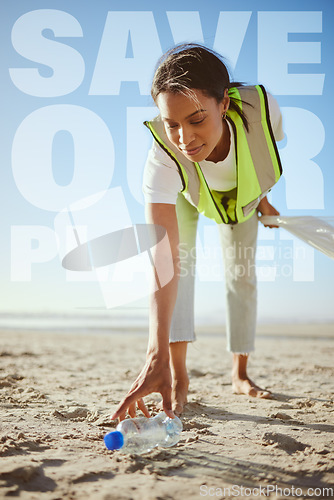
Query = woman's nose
x=186 y=136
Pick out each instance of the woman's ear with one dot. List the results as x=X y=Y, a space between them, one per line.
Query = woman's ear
x=226 y=100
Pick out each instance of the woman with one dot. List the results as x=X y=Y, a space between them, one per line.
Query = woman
x=214 y=152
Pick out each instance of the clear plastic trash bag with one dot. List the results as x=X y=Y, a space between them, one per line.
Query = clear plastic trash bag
x=316 y=231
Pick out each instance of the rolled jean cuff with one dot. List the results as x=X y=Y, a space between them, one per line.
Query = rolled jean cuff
x=243 y=350
x=182 y=336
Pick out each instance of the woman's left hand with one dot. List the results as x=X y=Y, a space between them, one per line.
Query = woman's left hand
x=265 y=208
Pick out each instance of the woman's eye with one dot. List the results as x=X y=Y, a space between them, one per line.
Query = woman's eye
x=198 y=122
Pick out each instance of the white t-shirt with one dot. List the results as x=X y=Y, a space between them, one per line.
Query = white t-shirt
x=162 y=181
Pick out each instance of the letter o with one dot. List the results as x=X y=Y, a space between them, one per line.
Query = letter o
x=32 y=156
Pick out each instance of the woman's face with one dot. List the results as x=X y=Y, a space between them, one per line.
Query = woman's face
x=195 y=127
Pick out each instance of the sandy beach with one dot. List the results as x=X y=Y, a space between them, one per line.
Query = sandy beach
x=58 y=391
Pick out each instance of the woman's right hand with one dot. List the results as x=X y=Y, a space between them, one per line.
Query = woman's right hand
x=154 y=377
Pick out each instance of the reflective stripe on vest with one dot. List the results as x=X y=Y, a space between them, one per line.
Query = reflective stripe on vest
x=257 y=160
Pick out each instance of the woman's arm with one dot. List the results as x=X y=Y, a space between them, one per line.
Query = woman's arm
x=156 y=375
x=163 y=300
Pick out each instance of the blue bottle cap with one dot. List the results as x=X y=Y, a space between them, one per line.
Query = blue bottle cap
x=114 y=440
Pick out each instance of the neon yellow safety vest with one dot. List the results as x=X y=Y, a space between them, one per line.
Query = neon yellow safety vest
x=257 y=159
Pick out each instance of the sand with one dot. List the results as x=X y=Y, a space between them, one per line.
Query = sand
x=58 y=391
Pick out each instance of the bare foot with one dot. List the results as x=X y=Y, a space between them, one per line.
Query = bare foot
x=179 y=395
x=247 y=386
x=241 y=383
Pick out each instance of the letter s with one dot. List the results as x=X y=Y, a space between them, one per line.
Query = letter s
x=203 y=490
x=66 y=63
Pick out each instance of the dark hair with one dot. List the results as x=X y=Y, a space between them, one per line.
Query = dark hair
x=192 y=66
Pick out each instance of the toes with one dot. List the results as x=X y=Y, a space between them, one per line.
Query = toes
x=252 y=390
x=264 y=394
x=256 y=392
x=261 y=393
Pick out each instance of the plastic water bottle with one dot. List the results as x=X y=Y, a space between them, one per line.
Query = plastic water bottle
x=140 y=435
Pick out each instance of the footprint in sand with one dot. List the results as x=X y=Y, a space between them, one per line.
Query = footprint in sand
x=306 y=403
x=283 y=442
x=10 y=380
x=76 y=413
x=28 y=477
x=193 y=424
x=281 y=416
x=20 y=445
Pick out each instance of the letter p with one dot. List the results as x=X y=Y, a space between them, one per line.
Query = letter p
x=30 y=244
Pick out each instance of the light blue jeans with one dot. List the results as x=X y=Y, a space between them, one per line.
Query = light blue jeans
x=239 y=248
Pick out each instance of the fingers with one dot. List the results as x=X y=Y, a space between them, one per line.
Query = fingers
x=149 y=380
x=129 y=405
x=124 y=405
x=142 y=407
x=132 y=410
x=169 y=412
x=167 y=402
